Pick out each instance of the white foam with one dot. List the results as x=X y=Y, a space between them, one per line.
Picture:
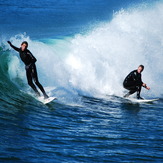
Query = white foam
x=97 y=62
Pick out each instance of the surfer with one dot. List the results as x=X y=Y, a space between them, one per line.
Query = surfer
x=30 y=66
x=133 y=82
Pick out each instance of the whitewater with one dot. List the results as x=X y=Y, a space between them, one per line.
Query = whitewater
x=96 y=63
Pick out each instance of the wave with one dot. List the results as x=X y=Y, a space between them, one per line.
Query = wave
x=96 y=63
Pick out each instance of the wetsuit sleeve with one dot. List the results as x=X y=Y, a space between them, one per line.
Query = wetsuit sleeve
x=140 y=80
x=137 y=77
x=33 y=59
x=15 y=48
x=133 y=75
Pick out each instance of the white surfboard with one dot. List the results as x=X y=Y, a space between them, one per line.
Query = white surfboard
x=46 y=101
x=143 y=100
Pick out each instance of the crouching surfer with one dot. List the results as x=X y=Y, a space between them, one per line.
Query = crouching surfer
x=30 y=66
x=133 y=82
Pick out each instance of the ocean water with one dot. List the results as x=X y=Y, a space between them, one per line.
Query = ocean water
x=84 y=50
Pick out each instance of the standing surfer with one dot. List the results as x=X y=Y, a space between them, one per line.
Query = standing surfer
x=133 y=82
x=30 y=66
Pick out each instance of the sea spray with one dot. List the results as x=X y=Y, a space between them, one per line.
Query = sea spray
x=98 y=61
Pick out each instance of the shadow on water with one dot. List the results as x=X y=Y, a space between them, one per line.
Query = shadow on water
x=131 y=108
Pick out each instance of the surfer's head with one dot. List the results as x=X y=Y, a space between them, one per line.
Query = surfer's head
x=140 y=68
x=24 y=45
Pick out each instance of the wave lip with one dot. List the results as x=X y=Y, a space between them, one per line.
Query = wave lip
x=97 y=62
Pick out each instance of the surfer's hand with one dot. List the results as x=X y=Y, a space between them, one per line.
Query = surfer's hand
x=9 y=42
x=147 y=88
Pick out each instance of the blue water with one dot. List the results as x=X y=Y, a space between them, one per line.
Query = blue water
x=84 y=50
x=56 y=18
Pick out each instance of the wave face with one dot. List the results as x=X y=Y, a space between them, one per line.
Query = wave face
x=97 y=62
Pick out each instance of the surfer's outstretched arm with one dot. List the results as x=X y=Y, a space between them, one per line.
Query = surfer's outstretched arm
x=14 y=47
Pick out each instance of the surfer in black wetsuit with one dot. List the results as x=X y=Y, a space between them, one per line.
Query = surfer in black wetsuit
x=31 y=72
x=133 y=82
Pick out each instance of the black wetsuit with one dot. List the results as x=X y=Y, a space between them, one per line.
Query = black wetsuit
x=31 y=72
x=133 y=83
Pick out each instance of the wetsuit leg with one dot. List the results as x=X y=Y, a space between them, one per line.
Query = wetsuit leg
x=30 y=83
x=131 y=86
x=138 y=90
x=130 y=92
x=35 y=78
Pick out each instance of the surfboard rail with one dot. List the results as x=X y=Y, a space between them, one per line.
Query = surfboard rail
x=142 y=100
x=46 y=101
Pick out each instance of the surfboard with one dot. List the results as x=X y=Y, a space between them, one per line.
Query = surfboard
x=142 y=100
x=46 y=101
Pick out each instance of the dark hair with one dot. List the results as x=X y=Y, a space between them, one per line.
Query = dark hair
x=25 y=42
x=142 y=67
